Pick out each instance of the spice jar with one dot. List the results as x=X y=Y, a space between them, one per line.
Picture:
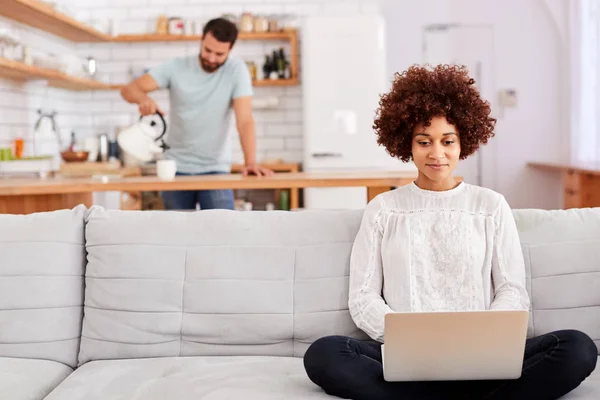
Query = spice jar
x=162 y=25
x=175 y=26
x=274 y=24
x=261 y=24
x=252 y=69
x=246 y=22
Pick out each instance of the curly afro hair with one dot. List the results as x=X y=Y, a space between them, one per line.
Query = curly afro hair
x=421 y=93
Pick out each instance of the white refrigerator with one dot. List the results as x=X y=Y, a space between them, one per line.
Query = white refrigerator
x=343 y=75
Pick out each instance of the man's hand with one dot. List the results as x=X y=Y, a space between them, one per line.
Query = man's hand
x=148 y=107
x=254 y=169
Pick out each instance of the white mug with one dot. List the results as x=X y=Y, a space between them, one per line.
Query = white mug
x=166 y=169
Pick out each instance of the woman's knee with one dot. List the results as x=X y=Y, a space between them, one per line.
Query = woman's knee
x=321 y=355
x=582 y=350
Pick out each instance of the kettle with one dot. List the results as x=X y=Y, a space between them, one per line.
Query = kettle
x=144 y=139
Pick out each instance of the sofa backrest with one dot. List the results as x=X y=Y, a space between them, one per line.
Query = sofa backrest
x=215 y=282
x=42 y=259
x=562 y=256
x=270 y=283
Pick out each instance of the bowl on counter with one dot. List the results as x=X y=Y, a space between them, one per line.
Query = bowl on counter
x=75 y=156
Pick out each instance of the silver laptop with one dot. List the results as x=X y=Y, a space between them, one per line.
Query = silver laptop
x=443 y=346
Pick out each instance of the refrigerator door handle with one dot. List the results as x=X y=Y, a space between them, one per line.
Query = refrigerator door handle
x=326 y=155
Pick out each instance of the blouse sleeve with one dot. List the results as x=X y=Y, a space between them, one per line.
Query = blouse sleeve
x=366 y=304
x=508 y=265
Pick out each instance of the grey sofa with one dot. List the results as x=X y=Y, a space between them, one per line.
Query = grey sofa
x=98 y=304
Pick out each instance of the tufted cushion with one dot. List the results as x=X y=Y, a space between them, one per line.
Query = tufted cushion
x=215 y=282
x=42 y=259
x=562 y=253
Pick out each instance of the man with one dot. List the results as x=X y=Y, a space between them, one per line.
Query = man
x=203 y=90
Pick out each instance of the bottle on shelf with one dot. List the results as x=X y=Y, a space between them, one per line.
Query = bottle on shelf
x=281 y=63
x=274 y=66
x=288 y=71
x=267 y=67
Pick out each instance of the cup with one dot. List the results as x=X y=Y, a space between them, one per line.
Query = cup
x=166 y=169
x=6 y=154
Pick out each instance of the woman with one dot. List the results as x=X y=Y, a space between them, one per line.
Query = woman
x=439 y=245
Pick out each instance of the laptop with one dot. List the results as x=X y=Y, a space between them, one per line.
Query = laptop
x=452 y=346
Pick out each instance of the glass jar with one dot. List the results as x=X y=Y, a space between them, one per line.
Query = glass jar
x=246 y=22
x=261 y=24
x=252 y=69
x=274 y=25
x=175 y=26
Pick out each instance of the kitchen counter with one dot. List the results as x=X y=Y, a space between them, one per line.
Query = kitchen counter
x=25 y=196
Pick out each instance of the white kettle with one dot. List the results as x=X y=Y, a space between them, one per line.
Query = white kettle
x=144 y=139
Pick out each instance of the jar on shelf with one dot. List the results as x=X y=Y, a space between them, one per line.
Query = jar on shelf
x=175 y=26
x=274 y=25
x=252 y=69
x=261 y=24
x=162 y=25
x=246 y=22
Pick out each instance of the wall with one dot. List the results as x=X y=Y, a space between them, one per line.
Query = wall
x=529 y=57
x=19 y=102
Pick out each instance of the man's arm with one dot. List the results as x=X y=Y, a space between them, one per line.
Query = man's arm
x=137 y=91
x=242 y=107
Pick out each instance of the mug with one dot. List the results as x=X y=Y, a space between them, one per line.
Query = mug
x=6 y=154
x=166 y=169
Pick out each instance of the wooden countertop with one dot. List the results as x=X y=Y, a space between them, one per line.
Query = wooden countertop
x=62 y=185
x=586 y=168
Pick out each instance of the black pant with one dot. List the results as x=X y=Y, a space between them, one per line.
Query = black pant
x=554 y=364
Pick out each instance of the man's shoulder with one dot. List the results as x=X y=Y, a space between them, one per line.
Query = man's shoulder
x=234 y=65
x=178 y=63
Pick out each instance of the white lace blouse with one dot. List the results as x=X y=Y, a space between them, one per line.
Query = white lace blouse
x=419 y=250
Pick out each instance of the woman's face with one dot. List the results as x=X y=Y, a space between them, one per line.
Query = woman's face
x=435 y=152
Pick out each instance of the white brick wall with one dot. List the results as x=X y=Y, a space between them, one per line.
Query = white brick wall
x=279 y=131
x=19 y=101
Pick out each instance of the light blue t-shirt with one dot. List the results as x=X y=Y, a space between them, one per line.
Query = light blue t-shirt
x=201 y=111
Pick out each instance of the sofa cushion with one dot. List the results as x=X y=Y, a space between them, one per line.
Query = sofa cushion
x=212 y=378
x=42 y=259
x=562 y=252
x=162 y=284
x=193 y=378
x=24 y=379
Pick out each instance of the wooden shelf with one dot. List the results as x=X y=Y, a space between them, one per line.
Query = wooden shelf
x=284 y=35
x=278 y=82
x=22 y=72
x=44 y=17
x=263 y=83
x=289 y=35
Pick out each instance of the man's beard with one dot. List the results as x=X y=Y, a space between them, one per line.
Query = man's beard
x=208 y=67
